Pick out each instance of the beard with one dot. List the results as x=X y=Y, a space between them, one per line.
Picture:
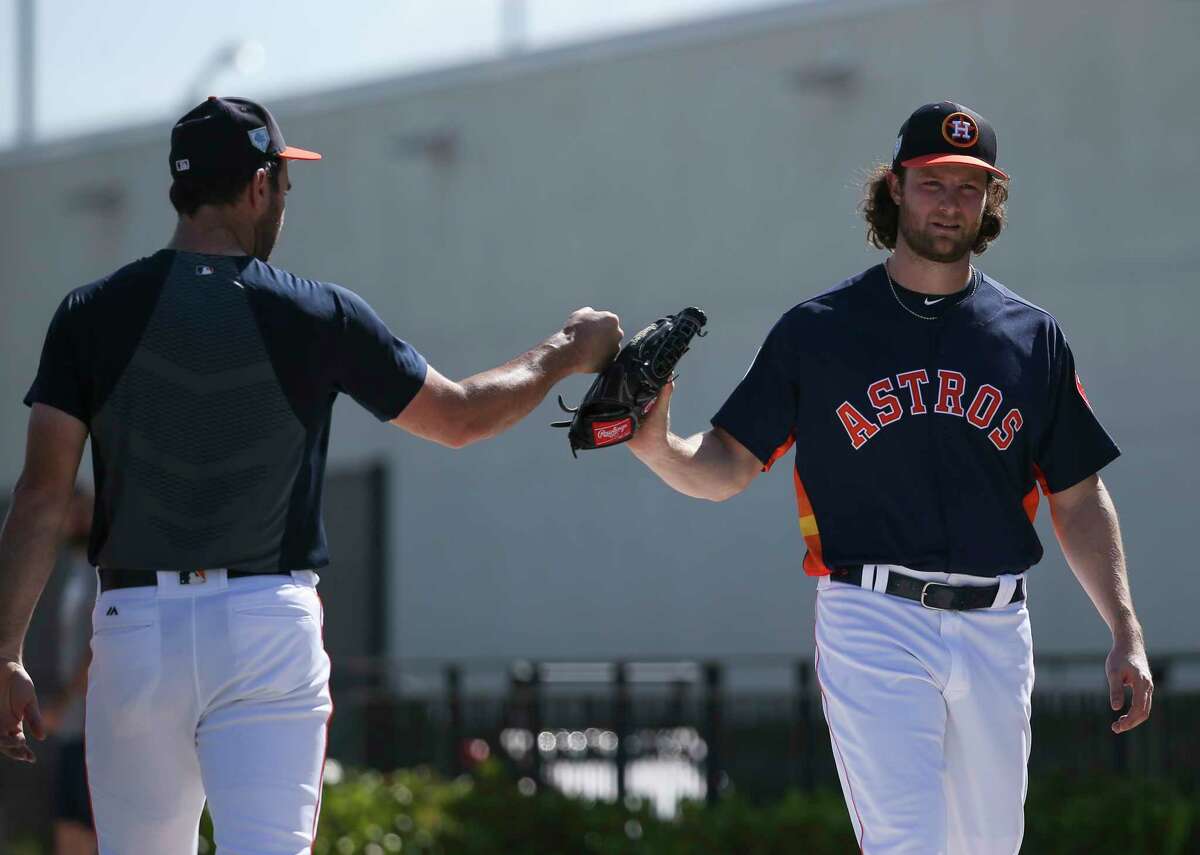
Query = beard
x=937 y=247
x=266 y=230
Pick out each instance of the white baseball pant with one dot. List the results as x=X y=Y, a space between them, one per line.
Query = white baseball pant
x=928 y=714
x=217 y=688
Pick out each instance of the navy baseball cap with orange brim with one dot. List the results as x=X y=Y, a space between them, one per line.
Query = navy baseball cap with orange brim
x=946 y=133
x=224 y=135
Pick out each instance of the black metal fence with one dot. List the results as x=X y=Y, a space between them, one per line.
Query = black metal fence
x=663 y=731
x=671 y=730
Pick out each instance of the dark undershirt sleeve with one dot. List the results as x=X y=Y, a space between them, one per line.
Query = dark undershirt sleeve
x=1074 y=445
x=376 y=369
x=60 y=382
x=761 y=411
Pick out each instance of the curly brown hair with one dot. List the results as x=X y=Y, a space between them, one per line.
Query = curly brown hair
x=883 y=214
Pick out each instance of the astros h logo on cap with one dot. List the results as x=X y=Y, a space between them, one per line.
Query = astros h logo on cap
x=945 y=133
x=960 y=130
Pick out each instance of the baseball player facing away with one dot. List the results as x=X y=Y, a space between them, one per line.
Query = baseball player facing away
x=927 y=403
x=205 y=378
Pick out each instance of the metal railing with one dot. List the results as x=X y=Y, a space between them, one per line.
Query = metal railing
x=668 y=729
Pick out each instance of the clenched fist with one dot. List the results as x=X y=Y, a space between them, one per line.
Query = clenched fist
x=19 y=714
x=593 y=338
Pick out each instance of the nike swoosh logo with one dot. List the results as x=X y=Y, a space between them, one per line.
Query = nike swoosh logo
x=929 y=302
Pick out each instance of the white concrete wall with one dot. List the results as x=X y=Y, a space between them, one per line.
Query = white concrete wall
x=709 y=166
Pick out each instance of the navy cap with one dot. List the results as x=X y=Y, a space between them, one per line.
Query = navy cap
x=944 y=133
x=228 y=135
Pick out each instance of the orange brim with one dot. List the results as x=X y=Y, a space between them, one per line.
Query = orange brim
x=293 y=153
x=960 y=159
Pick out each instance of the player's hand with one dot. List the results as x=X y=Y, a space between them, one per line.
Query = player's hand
x=1127 y=666
x=656 y=424
x=593 y=338
x=19 y=714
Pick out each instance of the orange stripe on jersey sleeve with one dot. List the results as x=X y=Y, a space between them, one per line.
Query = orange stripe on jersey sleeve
x=779 y=452
x=1032 y=498
x=814 y=564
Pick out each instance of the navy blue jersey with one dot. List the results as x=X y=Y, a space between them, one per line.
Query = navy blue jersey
x=207 y=384
x=919 y=442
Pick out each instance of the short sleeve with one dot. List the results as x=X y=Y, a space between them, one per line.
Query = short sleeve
x=376 y=369
x=60 y=380
x=1074 y=445
x=761 y=411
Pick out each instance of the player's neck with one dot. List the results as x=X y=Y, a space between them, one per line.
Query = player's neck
x=209 y=235
x=928 y=277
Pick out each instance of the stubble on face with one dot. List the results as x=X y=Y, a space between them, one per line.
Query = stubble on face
x=923 y=240
x=270 y=224
x=267 y=229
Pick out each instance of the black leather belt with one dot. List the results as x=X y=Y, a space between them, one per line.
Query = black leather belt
x=112 y=578
x=933 y=595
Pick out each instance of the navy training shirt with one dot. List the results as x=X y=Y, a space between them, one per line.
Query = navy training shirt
x=207 y=384
x=919 y=442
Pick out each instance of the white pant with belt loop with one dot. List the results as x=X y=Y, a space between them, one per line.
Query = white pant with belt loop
x=928 y=714
x=214 y=688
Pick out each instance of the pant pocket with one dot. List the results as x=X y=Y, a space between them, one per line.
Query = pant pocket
x=276 y=640
x=115 y=615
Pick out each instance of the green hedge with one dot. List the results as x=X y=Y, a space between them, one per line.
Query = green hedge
x=413 y=812
x=418 y=812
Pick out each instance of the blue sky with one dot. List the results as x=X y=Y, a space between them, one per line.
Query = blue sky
x=103 y=65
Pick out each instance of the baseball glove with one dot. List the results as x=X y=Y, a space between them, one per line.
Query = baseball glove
x=618 y=398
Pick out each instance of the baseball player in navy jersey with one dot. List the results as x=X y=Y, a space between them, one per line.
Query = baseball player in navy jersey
x=928 y=404
x=205 y=378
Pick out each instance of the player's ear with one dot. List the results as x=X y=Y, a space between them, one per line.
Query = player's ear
x=259 y=188
x=895 y=188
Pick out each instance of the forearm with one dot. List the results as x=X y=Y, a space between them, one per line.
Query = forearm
x=1090 y=535
x=28 y=544
x=488 y=403
x=77 y=685
x=701 y=466
x=495 y=400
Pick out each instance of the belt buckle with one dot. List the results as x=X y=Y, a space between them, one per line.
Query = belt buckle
x=925 y=591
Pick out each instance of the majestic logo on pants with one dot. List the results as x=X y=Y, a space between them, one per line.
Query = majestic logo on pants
x=951 y=391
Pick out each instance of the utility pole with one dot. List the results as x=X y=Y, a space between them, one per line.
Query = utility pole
x=514 y=26
x=26 y=90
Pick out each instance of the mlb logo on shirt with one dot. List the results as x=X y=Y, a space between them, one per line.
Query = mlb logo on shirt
x=203 y=270
x=183 y=165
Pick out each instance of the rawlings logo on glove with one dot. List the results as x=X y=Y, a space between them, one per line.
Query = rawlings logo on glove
x=610 y=433
x=620 y=395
